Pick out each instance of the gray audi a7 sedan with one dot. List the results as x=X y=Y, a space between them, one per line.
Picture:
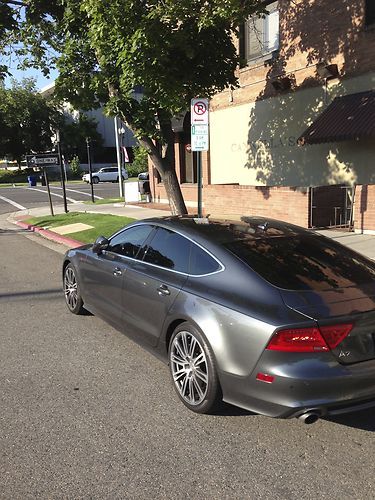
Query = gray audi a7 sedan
x=260 y=313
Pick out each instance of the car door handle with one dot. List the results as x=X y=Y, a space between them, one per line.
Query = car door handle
x=163 y=290
x=117 y=271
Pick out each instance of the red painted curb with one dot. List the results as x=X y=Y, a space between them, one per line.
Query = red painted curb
x=50 y=235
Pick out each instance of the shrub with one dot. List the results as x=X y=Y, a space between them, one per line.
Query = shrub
x=140 y=162
x=13 y=176
x=75 y=167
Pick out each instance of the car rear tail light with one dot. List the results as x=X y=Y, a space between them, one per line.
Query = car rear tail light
x=309 y=339
x=335 y=334
x=264 y=377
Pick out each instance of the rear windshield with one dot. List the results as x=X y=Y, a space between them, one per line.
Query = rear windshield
x=303 y=261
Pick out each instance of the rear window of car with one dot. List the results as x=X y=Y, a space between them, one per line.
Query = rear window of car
x=303 y=261
x=201 y=262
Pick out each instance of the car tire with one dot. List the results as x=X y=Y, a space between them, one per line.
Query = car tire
x=95 y=180
x=193 y=370
x=73 y=298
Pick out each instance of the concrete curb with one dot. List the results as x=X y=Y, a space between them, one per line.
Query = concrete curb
x=50 y=235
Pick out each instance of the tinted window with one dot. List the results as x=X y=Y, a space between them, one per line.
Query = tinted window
x=129 y=241
x=169 y=249
x=303 y=262
x=201 y=262
x=370 y=12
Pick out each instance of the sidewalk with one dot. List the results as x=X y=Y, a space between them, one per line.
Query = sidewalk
x=362 y=243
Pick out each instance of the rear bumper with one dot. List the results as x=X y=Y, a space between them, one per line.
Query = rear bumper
x=315 y=383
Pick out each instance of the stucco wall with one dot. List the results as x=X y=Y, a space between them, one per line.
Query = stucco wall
x=256 y=143
x=364 y=209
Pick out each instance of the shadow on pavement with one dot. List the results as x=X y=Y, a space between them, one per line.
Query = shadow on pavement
x=40 y=294
x=359 y=420
x=12 y=231
x=228 y=410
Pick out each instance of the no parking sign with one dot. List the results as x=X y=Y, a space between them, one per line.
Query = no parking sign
x=199 y=124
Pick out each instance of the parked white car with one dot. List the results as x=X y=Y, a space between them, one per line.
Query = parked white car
x=105 y=174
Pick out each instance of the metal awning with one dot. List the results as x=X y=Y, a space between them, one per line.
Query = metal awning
x=347 y=118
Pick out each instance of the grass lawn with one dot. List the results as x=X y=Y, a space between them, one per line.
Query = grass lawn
x=103 y=224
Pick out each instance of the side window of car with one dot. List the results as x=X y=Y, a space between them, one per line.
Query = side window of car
x=168 y=249
x=129 y=241
x=201 y=262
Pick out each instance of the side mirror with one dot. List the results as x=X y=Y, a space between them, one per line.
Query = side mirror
x=100 y=244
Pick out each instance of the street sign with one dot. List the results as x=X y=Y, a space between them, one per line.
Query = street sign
x=43 y=160
x=199 y=111
x=199 y=138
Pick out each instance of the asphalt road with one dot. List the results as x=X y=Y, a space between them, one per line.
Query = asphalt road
x=22 y=197
x=86 y=413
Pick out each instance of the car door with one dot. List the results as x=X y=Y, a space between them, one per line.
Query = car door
x=105 y=175
x=153 y=282
x=104 y=274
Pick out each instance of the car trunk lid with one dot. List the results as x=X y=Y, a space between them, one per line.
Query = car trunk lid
x=341 y=306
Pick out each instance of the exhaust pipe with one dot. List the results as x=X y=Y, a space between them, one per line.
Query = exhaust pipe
x=310 y=417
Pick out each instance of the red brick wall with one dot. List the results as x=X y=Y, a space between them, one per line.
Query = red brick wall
x=285 y=203
x=311 y=31
x=364 y=208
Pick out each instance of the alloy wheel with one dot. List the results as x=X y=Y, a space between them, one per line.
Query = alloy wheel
x=70 y=288
x=189 y=368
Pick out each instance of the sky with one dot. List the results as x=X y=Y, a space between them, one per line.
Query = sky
x=41 y=80
x=11 y=63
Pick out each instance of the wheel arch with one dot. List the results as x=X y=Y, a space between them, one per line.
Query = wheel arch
x=179 y=321
x=65 y=264
x=169 y=332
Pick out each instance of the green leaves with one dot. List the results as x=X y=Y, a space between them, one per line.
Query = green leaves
x=26 y=118
x=174 y=49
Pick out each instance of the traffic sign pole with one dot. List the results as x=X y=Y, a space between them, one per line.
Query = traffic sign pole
x=199 y=140
x=48 y=190
x=90 y=168
x=199 y=181
x=62 y=176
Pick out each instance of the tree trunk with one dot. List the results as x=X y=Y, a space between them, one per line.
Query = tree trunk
x=168 y=176
x=165 y=165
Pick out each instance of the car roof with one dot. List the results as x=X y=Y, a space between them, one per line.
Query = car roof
x=223 y=231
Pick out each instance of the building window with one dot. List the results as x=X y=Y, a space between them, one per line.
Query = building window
x=370 y=12
x=188 y=166
x=261 y=35
x=188 y=161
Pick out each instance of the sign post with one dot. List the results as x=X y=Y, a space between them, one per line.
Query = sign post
x=43 y=161
x=199 y=139
x=90 y=168
x=46 y=180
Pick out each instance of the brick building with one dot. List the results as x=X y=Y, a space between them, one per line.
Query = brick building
x=295 y=140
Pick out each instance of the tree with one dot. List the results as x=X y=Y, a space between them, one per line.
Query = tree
x=74 y=134
x=26 y=119
x=173 y=49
